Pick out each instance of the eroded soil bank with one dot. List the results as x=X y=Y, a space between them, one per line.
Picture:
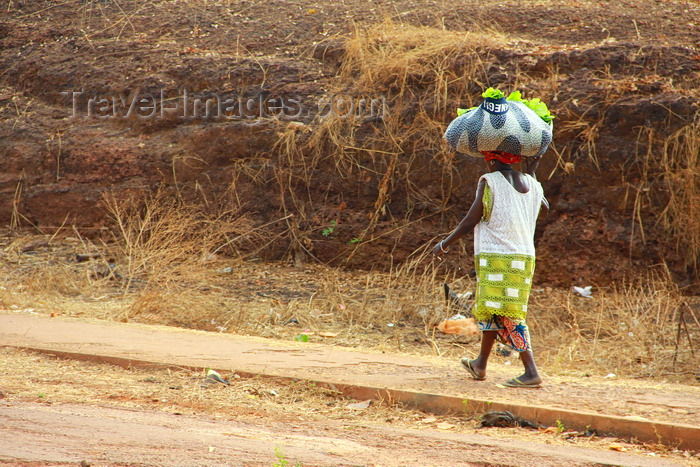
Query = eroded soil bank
x=367 y=192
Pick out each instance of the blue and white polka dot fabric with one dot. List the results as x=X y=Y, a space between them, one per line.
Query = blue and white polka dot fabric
x=499 y=125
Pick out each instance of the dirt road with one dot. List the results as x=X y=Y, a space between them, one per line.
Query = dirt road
x=62 y=412
x=37 y=434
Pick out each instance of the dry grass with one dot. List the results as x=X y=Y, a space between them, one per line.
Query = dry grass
x=680 y=169
x=669 y=188
x=162 y=246
x=587 y=134
x=419 y=63
x=416 y=76
x=629 y=330
x=161 y=238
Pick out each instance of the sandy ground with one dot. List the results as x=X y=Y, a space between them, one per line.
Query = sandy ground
x=39 y=434
x=57 y=412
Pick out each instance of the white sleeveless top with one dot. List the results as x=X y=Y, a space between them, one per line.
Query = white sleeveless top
x=510 y=228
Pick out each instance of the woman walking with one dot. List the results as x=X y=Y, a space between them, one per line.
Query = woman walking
x=503 y=217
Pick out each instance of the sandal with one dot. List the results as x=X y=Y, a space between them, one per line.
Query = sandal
x=467 y=364
x=516 y=383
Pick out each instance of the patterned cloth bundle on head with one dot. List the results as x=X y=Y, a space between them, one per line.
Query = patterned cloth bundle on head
x=512 y=125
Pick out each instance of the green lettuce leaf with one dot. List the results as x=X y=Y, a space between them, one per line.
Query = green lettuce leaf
x=493 y=94
x=461 y=112
x=535 y=104
x=539 y=107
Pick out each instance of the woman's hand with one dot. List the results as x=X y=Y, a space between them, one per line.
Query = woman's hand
x=440 y=249
x=466 y=225
x=531 y=164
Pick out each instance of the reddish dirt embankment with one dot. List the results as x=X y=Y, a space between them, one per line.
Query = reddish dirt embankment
x=621 y=77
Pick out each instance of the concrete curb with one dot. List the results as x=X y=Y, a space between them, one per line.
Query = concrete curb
x=680 y=436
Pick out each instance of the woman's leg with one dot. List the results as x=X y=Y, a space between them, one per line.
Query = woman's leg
x=487 y=340
x=531 y=376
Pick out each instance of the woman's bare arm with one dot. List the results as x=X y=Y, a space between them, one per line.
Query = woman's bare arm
x=467 y=224
x=531 y=165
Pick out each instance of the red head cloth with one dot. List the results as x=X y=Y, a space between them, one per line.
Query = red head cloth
x=505 y=157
